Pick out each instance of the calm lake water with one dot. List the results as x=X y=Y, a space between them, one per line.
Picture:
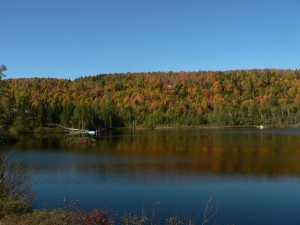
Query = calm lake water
x=253 y=176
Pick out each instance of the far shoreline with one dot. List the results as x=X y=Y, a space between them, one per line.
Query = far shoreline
x=46 y=130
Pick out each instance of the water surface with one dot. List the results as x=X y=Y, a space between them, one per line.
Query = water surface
x=253 y=176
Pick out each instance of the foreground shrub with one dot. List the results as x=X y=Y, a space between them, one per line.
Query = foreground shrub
x=61 y=217
x=15 y=195
x=69 y=214
x=14 y=180
x=134 y=219
x=14 y=206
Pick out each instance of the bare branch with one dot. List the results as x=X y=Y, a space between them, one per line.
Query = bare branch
x=209 y=212
x=14 y=180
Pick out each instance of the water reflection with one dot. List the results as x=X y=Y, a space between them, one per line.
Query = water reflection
x=243 y=152
x=255 y=173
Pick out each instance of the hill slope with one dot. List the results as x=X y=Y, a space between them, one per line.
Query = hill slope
x=269 y=97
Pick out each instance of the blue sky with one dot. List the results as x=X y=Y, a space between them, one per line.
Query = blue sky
x=73 y=38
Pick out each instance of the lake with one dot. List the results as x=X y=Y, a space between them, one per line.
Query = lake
x=253 y=176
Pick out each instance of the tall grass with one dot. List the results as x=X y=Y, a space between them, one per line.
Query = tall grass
x=70 y=214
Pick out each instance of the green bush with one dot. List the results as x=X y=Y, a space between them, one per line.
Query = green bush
x=19 y=128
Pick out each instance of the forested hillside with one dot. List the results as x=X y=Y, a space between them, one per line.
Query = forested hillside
x=252 y=97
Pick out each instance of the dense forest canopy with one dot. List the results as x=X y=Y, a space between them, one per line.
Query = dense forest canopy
x=242 y=97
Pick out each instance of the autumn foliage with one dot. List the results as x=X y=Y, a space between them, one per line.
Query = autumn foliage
x=243 y=97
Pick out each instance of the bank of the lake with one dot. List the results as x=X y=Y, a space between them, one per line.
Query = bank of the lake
x=49 y=130
x=6 y=138
x=71 y=214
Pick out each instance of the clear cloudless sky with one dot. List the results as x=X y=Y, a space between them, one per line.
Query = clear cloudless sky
x=74 y=38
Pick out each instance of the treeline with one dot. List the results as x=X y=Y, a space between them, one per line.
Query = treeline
x=6 y=112
x=242 y=97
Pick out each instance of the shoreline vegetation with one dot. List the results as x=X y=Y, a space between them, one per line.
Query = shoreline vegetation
x=155 y=100
x=70 y=213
